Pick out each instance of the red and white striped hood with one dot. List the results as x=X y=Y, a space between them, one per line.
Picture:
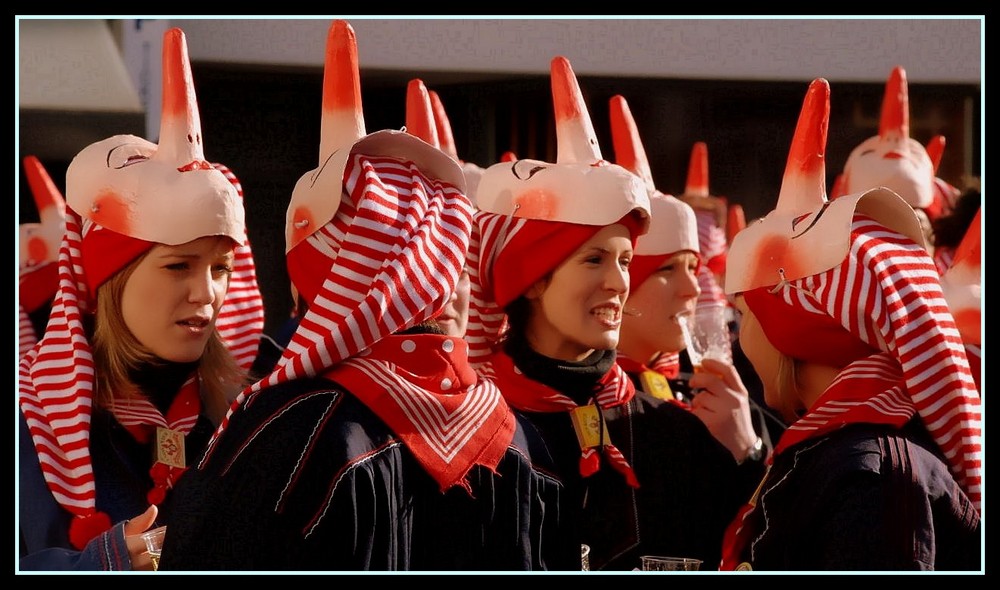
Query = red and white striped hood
x=316 y=197
x=376 y=240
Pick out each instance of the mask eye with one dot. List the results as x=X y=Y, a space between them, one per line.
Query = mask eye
x=525 y=169
x=125 y=155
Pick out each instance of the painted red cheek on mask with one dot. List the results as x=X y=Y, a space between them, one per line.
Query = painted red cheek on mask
x=110 y=210
x=536 y=204
x=304 y=225
x=38 y=250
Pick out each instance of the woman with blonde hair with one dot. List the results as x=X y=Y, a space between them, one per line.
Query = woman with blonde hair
x=845 y=322
x=132 y=376
x=550 y=280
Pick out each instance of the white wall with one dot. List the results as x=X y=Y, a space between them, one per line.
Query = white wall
x=948 y=50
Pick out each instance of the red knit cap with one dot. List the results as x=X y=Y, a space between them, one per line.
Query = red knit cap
x=105 y=252
x=538 y=249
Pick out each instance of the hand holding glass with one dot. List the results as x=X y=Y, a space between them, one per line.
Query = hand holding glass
x=706 y=335
x=154 y=543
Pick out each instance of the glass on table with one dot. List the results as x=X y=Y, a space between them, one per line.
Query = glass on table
x=662 y=563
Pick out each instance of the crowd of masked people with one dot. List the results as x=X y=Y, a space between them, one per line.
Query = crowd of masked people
x=487 y=369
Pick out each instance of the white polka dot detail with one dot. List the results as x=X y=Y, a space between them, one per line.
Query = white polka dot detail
x=446 y=383
x=408 y=346
x=448 y=346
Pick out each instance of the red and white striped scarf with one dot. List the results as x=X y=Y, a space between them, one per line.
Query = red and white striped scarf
x=487 y=320
x=396 y=248
x=424 y=389
x=524 y=393
x=26 y=337
x=55 y=387
x=55 y=393
x=241 y=318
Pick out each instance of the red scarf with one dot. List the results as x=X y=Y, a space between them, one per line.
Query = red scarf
x=529 y=395
x=667 y=364
x=142 y=419
x=424 y=389
x=868 y=391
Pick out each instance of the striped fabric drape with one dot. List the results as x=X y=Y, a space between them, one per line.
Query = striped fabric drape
x=396 y=247
x=887 y=293
x=491 y=232
x=56 y=382
x=241 y=319
x=712 y=245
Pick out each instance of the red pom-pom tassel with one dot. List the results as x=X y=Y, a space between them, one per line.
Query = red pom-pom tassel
x=590 y=462
x=156 y=495
x=84 y=528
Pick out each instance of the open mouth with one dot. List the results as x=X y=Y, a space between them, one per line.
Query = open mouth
x=195 y=323
x=609 y=315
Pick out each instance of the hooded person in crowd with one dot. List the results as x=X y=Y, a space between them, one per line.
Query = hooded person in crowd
x=131 y=376
x=845 y=322
x=373 y=445
x=711 y=212
x=894 y=160
x=550 y=279
x=38 y=246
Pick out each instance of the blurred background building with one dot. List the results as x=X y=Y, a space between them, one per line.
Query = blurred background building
x=736 y=84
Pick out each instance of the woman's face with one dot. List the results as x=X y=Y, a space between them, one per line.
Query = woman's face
x=578 y=308
x=650 y=323
x=760 y=352
x=454 y=318
x=172 y=299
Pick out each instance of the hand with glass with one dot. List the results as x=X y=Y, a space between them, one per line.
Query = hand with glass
x=707 y=335
x=153 y=539
x=720 y=399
